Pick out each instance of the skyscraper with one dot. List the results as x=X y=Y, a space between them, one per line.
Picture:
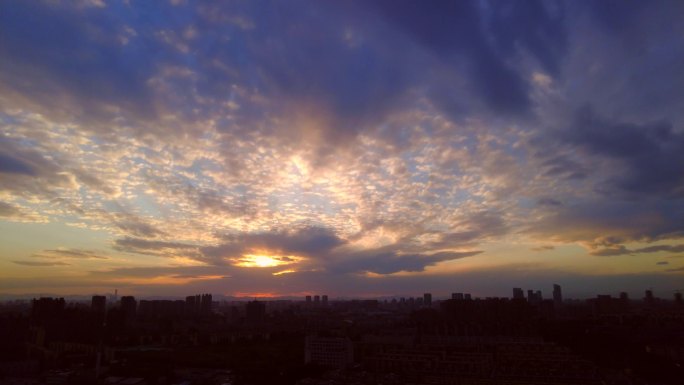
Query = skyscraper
x=129 y=308
x=255 y=312
x=98 y=304
x=427 y=299
x=518 y=293
x=557 y=295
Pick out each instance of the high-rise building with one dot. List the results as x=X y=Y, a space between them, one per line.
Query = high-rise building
x=205 y=306
x=190 y=305
x=325 y=300
x=457 y=296
x=255 y=312
x=649 y=299
x=427 y=299
x=467 y=296
x=317 y=300
x=518 y=293
x=557 y=295
x=129 y=308
x=538 y=295
x=98 y=304
x=330 y=352
x=678 y=298
x=308 y=300
x=47 y=307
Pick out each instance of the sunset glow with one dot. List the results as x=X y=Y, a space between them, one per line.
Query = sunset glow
x=251 y=260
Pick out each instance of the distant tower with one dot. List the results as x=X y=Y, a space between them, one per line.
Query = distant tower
x=427 y=299
x=317 y=300
x=467 y=296
x=557 y=295
x=457 y=296
x=678 y=298
x=325 y=300
x=308 y=300
x=518 y=293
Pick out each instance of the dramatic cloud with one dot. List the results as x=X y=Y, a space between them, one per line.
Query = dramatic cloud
x=331 y=143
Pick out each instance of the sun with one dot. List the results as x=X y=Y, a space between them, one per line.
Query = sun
x=260 y=260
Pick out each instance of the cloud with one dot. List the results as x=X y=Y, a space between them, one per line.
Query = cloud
x=376 y=137
x=652 y=154
x=307 y=241
x=41 y=264
x=388 y=262
x=69 y=254
x=615 y=249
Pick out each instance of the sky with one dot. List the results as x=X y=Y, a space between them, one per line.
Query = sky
x=349 y=148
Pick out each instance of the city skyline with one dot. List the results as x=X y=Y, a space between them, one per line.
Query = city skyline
x=360 y=149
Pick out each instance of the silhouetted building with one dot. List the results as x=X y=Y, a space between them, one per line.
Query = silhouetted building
x=308 y=300
x=255 y=312
x=205 y=306
x=557 y=295
x=161 y=308
x=518 y=293
x=649 y=299
x=324 y=299
x=47 y=307
x=317 y=300
x=457 y=296
x=330 y=352
x=467 y=297
x=678 y=298
x=427 y=299
x=98 y=304
x=129 y=306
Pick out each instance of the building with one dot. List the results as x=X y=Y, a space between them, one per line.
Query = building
x=129 y=306
x=518 y=293
x=557 y=295
x=427 y=299
x=47 y=307
x=317 y=300
x=98 y=304
x=330 y=352
x=324 y=299
x=467 y=296
x=649 y=299
x=457 y=296
x=308 y=300
x=205 y=305
x=255 y=312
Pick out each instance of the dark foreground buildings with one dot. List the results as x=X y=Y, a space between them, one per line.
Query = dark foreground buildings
x=405 y=340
